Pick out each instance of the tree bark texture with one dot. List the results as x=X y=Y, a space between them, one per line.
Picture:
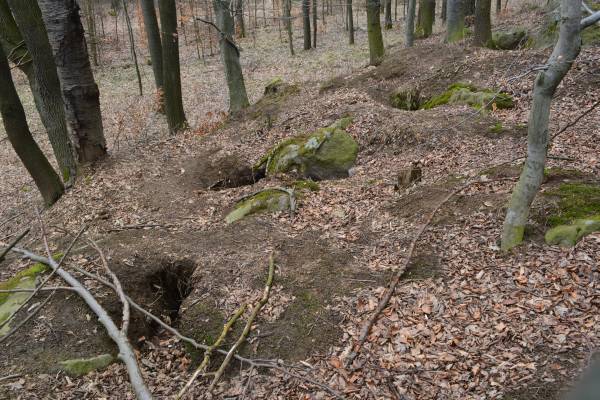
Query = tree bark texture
x=376 y=49
x=239 y=18
x=79 y=90
x=455 y=21
x=154 y=44
x=306 y=23
x=388 y=14
x=287 y=12
x=483 y=23
x=410 y=23
x=426 y=16
x=15 y=124
x=350 y=22
x=314 y=22
x=565 y=52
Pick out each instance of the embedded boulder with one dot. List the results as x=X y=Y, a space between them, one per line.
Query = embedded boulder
x=466 y=94
x=267 y=200
x=569 y=235
x=510 y=40
x=327 y=153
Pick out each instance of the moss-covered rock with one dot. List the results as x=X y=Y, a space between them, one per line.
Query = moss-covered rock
x=461 y=93
x=10 y=302
x=575 y=201
x=510 y=40
x=325 y=154
x=406 y=99
x=306 y=184
x=267 y=200
x=568 y=235
x=83 y=366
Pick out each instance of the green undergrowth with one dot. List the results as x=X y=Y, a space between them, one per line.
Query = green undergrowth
x=576 y=201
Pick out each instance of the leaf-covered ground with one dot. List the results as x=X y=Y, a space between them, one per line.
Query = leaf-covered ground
x=466 y=322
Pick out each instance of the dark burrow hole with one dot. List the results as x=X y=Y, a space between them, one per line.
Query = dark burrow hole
x=172 y=283
x=241 y=176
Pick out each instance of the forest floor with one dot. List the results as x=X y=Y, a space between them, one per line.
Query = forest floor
x=466 y=322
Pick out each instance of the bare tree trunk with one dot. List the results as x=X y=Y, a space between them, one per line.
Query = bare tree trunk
x=483 y=23
x=306 y=23
x=444 y=10
x=28 y=16
x=170 y=65
x=197 y=38
x=350 y=23
x=79 y=90
x=90 y=16
x=565 y=52
x=15 y=124
x=498 y=6
x=426 y=16
x=154 y=44
x=410 y=23
x=455 y=21
x=132 y=47
x=238 y=99
x=314 y=21
x=287 y=4
x=388 y=14
x=376 y=49
x=239 y=18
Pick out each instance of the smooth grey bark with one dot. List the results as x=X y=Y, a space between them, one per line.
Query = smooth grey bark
x=306 y=23
x=350 y=23
x=564 y=54
x=287 y=6
x=28 y=16
x=376 y=49
x=170 y=66
x=80 y=92
x=483 y=25
x=314 y=22
x=455 y=21
x=238 y=99
x=154 y=44
x=19 y=136
x=410 y=23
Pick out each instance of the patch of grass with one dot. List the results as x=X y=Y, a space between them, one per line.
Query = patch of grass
x=13 y=282
x=576 y=200
x=497 y=128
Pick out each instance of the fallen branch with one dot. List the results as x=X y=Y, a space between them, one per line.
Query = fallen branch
x=126 y=353
x=13 y=244
x=248 y=327
x=117 y=287
x=396 y=279
x=8 y=377
x=209 y=351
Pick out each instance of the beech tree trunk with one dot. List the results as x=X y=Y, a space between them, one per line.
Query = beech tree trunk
x=239 y=18
x=170 y=66
x=28 y=16
x=314 y=22
x=154 y=44
x=15 y=124
x=306 y=23
x=455 y=21
x=90 y=15
x=376 y=49
x=238 y=98
x=79 y=90
x=410 y=23
x=565 y=52
x=444 y=9
x=426 y=17
x=483 y=23
x=350 y=22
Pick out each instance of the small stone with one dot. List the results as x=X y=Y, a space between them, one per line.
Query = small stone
x=83 y=366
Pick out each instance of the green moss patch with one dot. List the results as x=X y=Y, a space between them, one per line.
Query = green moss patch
x=83 y=366
x=306 y=184
x=406 y=99
x=575 y=201
x=569 y=235
x=463 y=93
x=268 y=200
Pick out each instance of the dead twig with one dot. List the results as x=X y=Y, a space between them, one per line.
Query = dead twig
x=576 y=120
x=248 y=327
x=13 y=244
x=209 y=351
x=9 y=377
x=118 y=288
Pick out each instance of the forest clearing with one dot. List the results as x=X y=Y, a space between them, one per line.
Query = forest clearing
x=404 y=203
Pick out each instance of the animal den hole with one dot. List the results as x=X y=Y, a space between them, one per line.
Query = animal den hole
x=171 y=284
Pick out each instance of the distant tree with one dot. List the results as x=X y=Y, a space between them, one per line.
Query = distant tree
x=314 y=22
x=238 y=98
x=498 y=6
x=306 y=23
x=564 y=54
x=483 y=24
x=154 y=43
x=287 y=14
x=455 y=21
x=468 y=7
x=426 y=17
x=28 y=16
x=350 y=22
x=79 y=90
x=19 y=136
x=239 y=18
x=444 y=10
x=388 y=15
x=170 y=66
x=90 y=16
x=376 y=49
x=410 y=23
